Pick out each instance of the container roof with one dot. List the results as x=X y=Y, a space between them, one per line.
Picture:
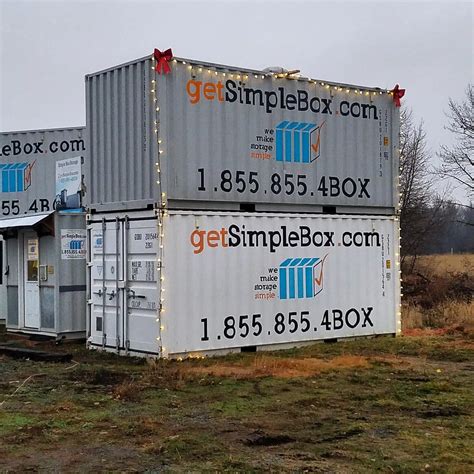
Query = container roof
x=242 y=70
x=10 y=132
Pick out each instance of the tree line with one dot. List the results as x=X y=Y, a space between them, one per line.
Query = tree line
x=431 y=221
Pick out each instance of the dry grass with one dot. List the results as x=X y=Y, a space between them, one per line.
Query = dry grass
x=439 y=294
x=412 y=317
x=176 y=374
x=448 y=314
x=452 y=313
x=269 y=366
x=160 y=373
x=128 y=390
x=440 y=264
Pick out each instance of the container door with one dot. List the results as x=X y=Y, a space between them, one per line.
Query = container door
x=106 y=280
x=31 y=280
x=141 y=288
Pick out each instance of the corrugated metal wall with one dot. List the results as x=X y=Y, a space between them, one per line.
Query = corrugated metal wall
x=122 y=152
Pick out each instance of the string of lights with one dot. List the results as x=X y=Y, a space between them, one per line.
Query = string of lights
x=161 y=211
x=233 y=74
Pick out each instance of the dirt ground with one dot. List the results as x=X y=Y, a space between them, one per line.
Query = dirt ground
x=387 y=404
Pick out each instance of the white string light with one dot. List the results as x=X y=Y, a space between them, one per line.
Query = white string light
x=239 y=75
x=160 y=212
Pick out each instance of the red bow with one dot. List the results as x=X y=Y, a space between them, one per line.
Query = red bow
x=397 y=95
x=162 y=59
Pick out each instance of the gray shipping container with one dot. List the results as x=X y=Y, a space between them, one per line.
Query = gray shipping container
x=42 y=286
x=45 y=273
x=216 y=137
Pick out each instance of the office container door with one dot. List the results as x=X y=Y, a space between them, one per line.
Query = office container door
x=31 y=280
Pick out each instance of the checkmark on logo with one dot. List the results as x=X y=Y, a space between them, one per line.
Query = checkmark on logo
x=319 y=280
x=315 y=146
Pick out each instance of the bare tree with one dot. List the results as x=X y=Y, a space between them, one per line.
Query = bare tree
x=421 y=209
x=414 y=159
x=458 y=160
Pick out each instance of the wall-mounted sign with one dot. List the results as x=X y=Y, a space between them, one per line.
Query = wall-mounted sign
x=73 y=244
x=32 y=249
x=68 y=184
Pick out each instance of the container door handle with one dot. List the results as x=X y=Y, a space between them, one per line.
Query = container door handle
x=111 y=295
x=133 y=294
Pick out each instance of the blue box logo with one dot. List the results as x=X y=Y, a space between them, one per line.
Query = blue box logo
x=15 y=177
x=76 y=245
x=300 y=278
x=298 y=142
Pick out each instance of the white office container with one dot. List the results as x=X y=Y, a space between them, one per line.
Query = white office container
x=45 y=274
x=188 y=282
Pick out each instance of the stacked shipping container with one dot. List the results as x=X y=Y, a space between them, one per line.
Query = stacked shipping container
x=206 y=190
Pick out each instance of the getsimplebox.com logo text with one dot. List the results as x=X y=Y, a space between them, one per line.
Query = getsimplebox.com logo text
x=278 y=99
x=236 y=236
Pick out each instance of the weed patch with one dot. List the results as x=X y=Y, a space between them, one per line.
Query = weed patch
x=272 y=366
x=96 y=376
x=260 y=438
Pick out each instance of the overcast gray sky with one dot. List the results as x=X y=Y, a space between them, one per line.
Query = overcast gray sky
x=48 y=47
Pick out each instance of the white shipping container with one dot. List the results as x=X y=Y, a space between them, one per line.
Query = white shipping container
x=193 y=282
x=217 y=137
